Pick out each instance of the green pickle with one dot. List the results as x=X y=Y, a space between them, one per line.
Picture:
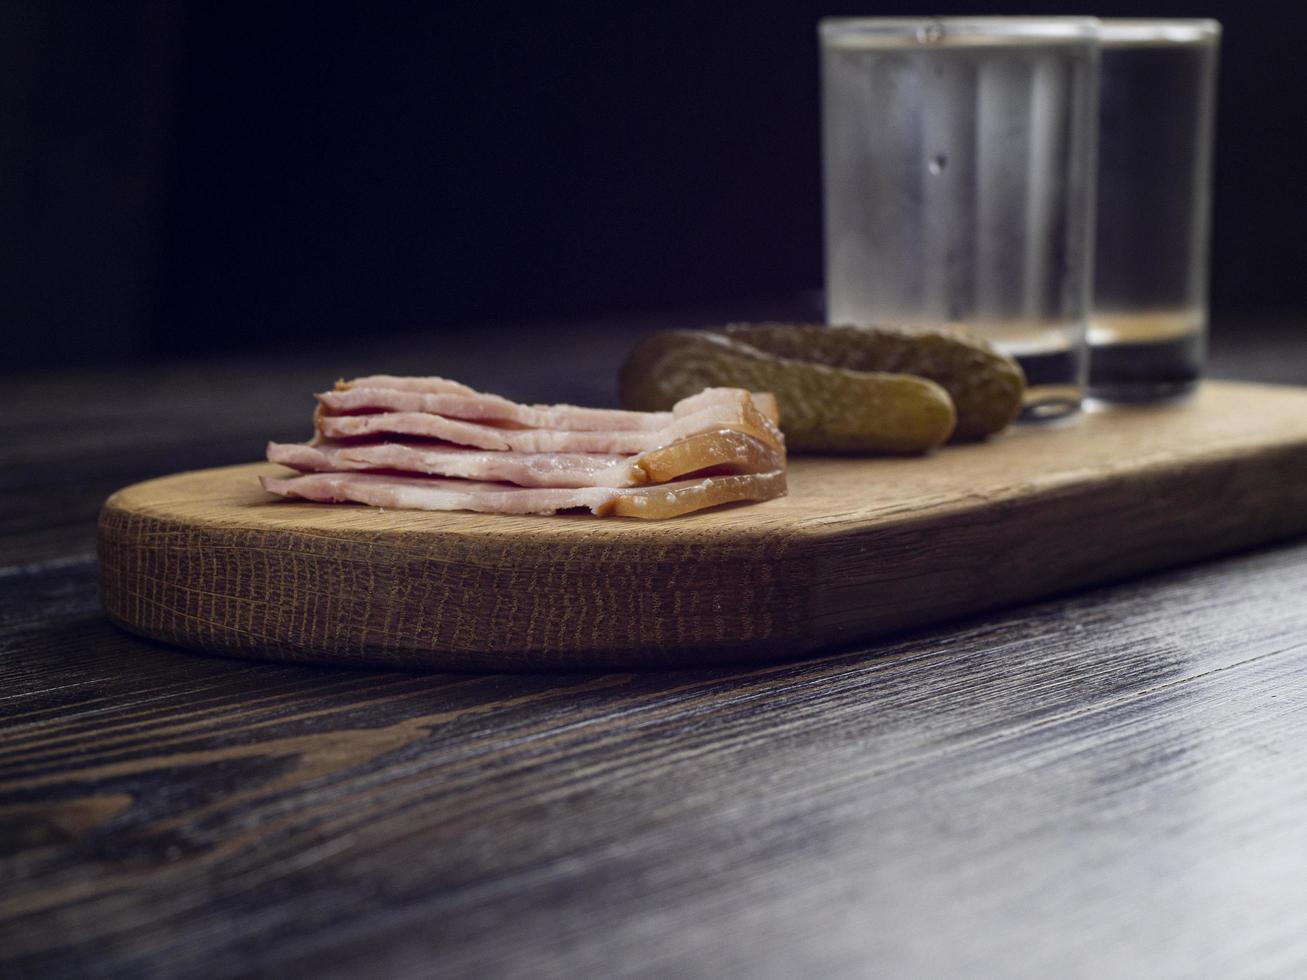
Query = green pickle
x=840 y=389
x=986 y=386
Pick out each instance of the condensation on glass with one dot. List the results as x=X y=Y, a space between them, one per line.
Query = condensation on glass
x=959 y=159
x=1148 y=329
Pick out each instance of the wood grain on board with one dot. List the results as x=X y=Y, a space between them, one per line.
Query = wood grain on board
x=859 y=548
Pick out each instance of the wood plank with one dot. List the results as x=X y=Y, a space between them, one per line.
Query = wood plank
x=859 y=548
x=1105 y=785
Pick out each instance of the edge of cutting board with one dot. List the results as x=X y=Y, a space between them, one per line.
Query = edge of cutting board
x=859 y=548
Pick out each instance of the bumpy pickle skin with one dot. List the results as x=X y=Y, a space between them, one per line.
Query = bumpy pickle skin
x=822 y=408
x=986 y=386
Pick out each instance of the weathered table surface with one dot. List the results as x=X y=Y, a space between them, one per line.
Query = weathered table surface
x=1113 y=783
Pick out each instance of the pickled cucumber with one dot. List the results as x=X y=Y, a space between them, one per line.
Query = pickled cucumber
x=986 y=386
x=823 y=408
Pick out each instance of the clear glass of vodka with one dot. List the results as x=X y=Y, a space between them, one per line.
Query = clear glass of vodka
x=1157 y=108
x=959 y=164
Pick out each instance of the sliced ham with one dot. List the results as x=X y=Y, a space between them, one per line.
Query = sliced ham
x=722 y=450
x=434 y=444
x=430 y=493
x=739 y=414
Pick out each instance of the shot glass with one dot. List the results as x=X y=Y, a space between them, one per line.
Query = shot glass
x=959 y=159
x=1148 y=329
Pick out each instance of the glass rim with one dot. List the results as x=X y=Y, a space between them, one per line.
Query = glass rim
x=1123 y=31
x=955 y=31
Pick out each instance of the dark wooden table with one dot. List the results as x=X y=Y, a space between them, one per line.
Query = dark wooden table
x=1107 y=784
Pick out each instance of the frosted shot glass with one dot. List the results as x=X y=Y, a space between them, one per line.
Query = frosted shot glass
x=1157 y=107
x=958 y=169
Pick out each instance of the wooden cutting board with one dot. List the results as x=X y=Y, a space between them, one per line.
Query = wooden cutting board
x=860 y=547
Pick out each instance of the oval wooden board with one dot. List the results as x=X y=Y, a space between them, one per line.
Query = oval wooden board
x=860 y=547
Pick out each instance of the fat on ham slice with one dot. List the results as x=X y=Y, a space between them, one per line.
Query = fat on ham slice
x=737 y=411
x=429 y=493
x=723 y=450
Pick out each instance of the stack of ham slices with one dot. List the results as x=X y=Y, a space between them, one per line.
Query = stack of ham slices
x=433 y=444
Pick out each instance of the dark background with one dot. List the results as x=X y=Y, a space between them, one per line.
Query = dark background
x=197 y=177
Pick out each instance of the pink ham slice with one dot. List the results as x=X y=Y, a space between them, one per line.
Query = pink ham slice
x=496 y=410
x=488 y=408
x=766 y=401
x=435 y=386
x=738 y=412
x=524 y=469
x=721 y=451
x=429 y=493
